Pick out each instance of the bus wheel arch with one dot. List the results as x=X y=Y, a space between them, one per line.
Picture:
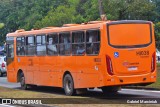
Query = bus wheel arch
x=19 y=75
x=65 y=73
x=21 y=79
x=68 y=84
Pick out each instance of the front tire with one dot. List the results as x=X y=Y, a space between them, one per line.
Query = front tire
x=68 y=85
x=22 y=82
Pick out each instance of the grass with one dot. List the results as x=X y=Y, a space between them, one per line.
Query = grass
x=158 y=64
x=157 y=83
x=16 y=93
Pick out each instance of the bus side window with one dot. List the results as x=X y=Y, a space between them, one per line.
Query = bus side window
x=64 y=43
x=92 y=42
x=30 y=45
x=20 y=46
x=52 y=44
x=41 y=45
x=78 y=44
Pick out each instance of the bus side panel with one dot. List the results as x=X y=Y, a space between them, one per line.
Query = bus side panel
x=48 y=71
x=82 y=76
x=67 y=65
x=11 y=77
x=41 y=75
x=56 y=71
x=26 y=66
x=87 y=72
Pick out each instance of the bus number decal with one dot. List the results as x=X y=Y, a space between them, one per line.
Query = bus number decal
x=142 y=53
x=31 y=62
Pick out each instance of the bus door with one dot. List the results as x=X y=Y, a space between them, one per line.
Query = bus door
x=10 y=59
x=131 y=51
x=31 y=58
x=54 y=72
x=32 y=70
x=44 y=70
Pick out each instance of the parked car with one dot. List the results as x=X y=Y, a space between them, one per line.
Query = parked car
x=2 y=65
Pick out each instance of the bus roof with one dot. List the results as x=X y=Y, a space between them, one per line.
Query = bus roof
x=64 y=28
x=71 y=27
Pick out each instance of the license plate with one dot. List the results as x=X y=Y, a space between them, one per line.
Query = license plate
x=132 y=68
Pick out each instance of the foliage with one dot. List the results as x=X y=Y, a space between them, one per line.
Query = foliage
x=28 y=14
x=56 y=17
x=1 y=25
x=157 y=32
x=130 y=9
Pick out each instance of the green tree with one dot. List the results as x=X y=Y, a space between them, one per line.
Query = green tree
x=1 y=25
x=28 y=14
x=63 y=14
x=130 y=9
x=157 y=30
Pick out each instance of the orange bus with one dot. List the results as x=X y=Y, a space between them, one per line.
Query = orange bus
x=102 y=54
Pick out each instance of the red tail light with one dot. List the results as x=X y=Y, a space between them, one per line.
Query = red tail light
x=3 y=65
x=109 y=65
x=153 y=62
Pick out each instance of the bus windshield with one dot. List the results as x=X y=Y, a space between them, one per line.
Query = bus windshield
x=129 y=35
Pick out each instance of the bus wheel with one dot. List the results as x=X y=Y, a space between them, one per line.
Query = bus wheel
x=111 y=90
x=22 y=82
x=68 y=85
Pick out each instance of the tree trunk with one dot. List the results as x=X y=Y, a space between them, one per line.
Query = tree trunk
x=101 y=11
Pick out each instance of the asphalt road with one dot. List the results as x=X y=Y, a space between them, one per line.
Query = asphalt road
x=138 y=93
x=4 y=83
